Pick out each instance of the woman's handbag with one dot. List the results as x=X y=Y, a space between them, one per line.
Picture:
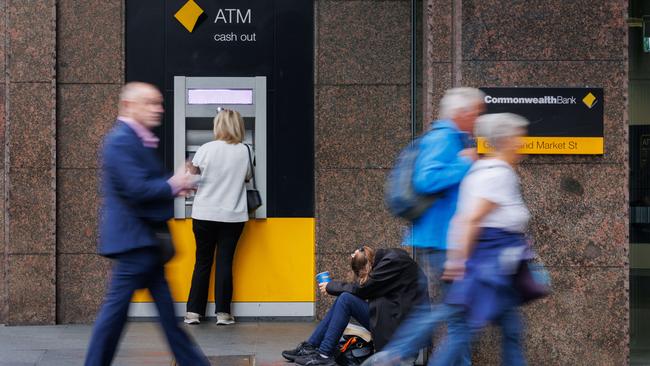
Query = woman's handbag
x=532 y=281
x=253 y=196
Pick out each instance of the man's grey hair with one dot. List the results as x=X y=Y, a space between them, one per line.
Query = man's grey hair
x=494 y=127
x=457 y=100
x=133 y=89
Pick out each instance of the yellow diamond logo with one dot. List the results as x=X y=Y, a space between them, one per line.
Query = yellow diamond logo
x=188 y=15
x=589 y=100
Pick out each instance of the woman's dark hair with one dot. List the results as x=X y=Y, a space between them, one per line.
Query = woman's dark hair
x=362 y=262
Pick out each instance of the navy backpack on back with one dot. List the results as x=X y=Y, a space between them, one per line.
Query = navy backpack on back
x=400 y=196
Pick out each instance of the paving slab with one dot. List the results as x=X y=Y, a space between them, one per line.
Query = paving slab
x=241 y=344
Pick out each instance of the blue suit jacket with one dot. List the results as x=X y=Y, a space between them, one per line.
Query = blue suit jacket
x=135 y=190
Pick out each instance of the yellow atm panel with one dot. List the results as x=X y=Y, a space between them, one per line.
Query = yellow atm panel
x=273 y=269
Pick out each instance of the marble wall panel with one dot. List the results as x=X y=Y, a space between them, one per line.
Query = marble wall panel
x=438 y=30
x=90 y=35
x=363 y=42
x=30 y=212
x=3 y=116
x=86 y=113
x=579 y=213
x=351 y=211
x=81 y=284
x=438 y=79
x=361 y=126
x=610 y=75
x=584 y=322
x=31 y=289
x=3 y=35
x=30 y=131
x=31 y=51
x=548 y=30
x=3 y=287
x=78 y=203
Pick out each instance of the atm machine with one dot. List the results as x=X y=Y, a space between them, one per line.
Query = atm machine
x=274 y=263
x=196 y=101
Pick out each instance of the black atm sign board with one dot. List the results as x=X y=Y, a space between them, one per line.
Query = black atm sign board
x=562 y=120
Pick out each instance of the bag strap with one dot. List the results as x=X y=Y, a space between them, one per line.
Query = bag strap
x=250 y=161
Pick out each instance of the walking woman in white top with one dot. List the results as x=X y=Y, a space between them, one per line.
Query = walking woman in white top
x=219 y=213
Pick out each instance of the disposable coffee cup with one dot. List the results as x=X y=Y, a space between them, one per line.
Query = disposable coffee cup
x=323 y=277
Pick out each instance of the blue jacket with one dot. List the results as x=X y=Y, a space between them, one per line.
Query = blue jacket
x=438 y=168
x=134 y=189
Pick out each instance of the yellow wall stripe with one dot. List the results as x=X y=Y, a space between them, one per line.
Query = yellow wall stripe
x=274 y=262
x=554 y=145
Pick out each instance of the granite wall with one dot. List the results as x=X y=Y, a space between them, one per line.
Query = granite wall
x=29 y=167
x=3 y=87
x=362 y=119
x=63 y=66
x=90 y=74
x=579 y=203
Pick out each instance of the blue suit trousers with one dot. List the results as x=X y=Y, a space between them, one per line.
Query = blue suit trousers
x=136 y=269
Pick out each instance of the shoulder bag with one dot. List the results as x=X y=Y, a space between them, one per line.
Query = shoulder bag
x=253 y=196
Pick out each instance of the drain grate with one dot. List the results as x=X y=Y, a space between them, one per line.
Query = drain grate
x=237 y=360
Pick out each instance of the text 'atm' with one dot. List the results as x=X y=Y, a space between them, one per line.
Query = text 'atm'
x=196 y=102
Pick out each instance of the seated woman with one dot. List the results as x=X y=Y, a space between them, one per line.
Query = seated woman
x=387 y=284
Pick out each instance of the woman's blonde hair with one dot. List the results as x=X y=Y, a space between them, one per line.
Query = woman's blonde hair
x=229 y=127
x=362 y=262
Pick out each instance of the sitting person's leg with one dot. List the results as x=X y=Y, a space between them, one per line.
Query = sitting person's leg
x=345 y=307
x=328 y=333
x=344 y=310
x=319 y=333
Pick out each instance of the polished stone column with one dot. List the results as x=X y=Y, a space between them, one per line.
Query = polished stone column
x=30 y=162
x=91 y=72
x=362 y=107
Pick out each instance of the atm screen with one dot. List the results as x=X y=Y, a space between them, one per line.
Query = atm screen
x=219 y=96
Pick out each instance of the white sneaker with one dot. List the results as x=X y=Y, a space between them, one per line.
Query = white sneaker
x=192 y=318
x=225 y=319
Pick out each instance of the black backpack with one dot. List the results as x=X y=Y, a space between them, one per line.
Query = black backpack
x=353 y=350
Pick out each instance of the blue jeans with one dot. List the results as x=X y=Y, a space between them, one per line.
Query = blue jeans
x=140 y=268
x=416 y=331
x=451 y=350
x=330 y=329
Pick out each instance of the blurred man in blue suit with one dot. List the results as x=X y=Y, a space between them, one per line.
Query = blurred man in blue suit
x=138 y=199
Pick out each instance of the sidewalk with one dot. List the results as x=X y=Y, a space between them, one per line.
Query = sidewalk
x=242 y=344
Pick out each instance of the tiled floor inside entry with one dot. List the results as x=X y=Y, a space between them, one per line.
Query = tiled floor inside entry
x=244 y=344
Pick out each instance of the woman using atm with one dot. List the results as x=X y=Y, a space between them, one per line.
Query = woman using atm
x=219 y=213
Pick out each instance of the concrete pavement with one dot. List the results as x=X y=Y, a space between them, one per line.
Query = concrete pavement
x=242 y=344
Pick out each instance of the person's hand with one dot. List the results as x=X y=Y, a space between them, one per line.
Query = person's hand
x=183 y=181
x=190 y=168
x=454 y=270
x=469 y=153
x=185 y=192
x=322 y=287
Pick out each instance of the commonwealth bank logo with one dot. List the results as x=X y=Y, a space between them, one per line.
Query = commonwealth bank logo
x=189 y=15
x=589 y=100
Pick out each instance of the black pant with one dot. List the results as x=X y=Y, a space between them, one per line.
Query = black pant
x=209 y=235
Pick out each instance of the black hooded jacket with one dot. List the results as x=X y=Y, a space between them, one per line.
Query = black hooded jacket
x=395 y=284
